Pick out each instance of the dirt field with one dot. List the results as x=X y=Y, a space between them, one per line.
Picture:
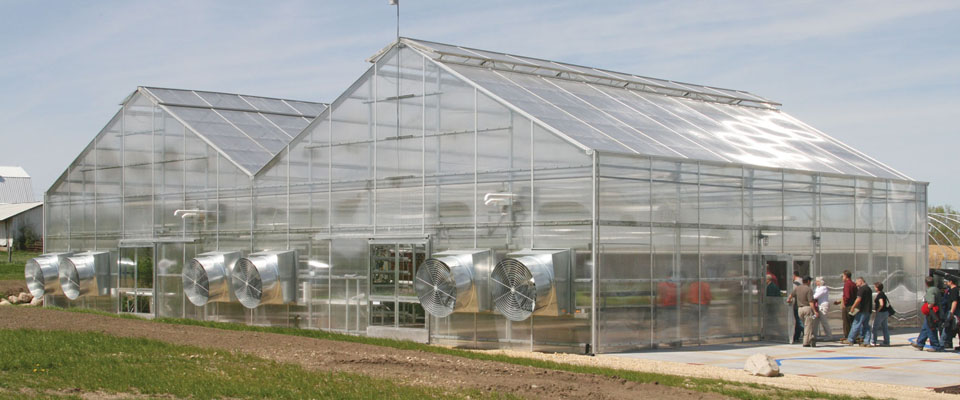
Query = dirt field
x=411 y=367
x=8 y=288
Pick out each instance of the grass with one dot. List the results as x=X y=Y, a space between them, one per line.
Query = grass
x=69 y=364
x=14 y=270
x=728 y=388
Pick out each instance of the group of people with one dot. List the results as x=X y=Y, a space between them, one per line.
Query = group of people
x=811 y=306
x=939 y=311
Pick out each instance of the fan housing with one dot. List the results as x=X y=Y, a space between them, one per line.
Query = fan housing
x=267 y=277
x=206 y=278
x=85 y=273
x=533 y=282
x=454 y=281
x=42 y=274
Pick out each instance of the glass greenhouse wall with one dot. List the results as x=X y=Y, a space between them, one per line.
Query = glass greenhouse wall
x=677 y=198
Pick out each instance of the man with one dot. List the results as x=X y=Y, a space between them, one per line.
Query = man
x=797 y=322
x=849 y=296
x=948 y=313
x=861 y=321
x=807 y=309
x=930 y=329
x=699 y=297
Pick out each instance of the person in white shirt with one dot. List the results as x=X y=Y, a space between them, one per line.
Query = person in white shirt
x=822 y=296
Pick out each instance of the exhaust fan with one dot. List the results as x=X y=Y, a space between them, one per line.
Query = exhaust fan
x=42 y=274
x=531 y=282
x=267 y=277
x=207 y=277
x=85 y=273
x=448 y=282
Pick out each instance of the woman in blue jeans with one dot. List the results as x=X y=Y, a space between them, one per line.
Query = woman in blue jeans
x=882 y=305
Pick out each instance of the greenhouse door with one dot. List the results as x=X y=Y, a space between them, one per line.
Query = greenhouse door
x=776 y=315
x=135 y=278
x=393 y=267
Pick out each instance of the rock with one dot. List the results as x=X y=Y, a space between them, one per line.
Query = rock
x=25 y=297
x=4 y=302
x=37 y=301
x=13 y=299
x=762 y=365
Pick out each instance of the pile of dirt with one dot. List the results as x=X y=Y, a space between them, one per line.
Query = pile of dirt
x=12 y=288
x=406 y=366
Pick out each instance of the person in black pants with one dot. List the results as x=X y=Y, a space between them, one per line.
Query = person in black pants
x=797 y=322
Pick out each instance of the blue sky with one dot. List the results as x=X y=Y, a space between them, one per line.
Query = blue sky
x=884 y=77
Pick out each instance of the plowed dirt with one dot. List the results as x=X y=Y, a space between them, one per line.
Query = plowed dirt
x=406 y=366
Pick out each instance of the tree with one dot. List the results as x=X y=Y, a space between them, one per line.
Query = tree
x=943 y=225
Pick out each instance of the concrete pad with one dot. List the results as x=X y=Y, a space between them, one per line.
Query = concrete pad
x=899 y=364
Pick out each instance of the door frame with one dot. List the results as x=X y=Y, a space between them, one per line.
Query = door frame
x=397 y=241
x=153 y=296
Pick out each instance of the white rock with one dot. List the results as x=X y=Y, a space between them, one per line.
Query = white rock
x=13 y=299
x=762 y=365
x=37 y=301
x=25 y=297
x=4 y=302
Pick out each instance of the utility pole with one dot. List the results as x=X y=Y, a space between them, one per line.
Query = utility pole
x=9 y=242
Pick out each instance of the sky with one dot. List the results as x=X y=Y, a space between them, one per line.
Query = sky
x=881 y=76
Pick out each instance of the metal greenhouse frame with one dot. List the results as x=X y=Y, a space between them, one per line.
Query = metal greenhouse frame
x=611 y=211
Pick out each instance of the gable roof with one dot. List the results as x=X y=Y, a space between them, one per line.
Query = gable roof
x=630 y=114
x=16 y=186
x=247 y=130
x=12 y=210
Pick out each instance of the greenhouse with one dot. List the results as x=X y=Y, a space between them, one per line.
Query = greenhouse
x=464 y=197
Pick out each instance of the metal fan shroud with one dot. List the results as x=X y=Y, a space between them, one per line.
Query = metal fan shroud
x=267 y=277
x=450 y=281
x=521 y=286
x=42 y=274
x=206 y=278
x=84 y=273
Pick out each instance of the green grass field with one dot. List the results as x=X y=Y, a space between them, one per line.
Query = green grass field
x=45 y=364
x=14 y=270
x=727 y=388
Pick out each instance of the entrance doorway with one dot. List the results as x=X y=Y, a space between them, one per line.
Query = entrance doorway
x=777 y=318
x=393 y=267
x=135 y=280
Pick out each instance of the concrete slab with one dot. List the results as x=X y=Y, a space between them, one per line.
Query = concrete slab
x=899 y=364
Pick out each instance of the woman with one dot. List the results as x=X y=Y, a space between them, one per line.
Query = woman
x=882 y=305
x=822 y=296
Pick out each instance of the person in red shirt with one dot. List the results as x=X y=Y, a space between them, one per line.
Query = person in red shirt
x=666 y=313
x=699 y=297
x=849 y=296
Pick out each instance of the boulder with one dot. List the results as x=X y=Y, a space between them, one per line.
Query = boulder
x=762 y=365
x=25 y=297
x=4 y=302
x=37 y=301
x=13 y=299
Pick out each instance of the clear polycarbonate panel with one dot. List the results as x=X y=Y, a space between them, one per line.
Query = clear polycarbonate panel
x=628 y=121
x=181 y=97
x=259 y=129
x=241 y=148
x=290 y=125
x=307 y=109
x=225 y=100
x=270 y=105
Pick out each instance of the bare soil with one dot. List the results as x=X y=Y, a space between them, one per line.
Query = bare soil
x=406 y=366
x=13 y=287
